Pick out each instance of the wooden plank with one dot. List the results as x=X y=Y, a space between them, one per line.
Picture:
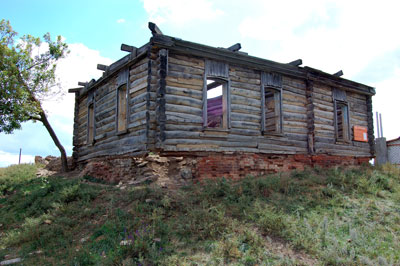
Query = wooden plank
x=245 y=117
x=183 y=109
x=186 y=61
x=236 y=99
x=182 y=117
x=184 y=92
x=246 y=93
x=183 y=100
x=238 y=108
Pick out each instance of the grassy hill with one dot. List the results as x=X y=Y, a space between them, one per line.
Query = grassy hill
x=318 y=216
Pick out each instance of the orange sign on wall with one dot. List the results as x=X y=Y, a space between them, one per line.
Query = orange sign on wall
x=360 y=133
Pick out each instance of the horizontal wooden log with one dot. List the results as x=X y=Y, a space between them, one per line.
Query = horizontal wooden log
x=295 y=117
x=186 y=61
x=184 y=109
x=246 y=125
x=187 y=85
x=140 y=67
x=294 y=109
x=175 y=68
x=245 y=117
x=243 y=85
x=141 y=123
x=236 y=99
x=323 y=114
x=193 y=94
x=183 y=127
x=182 y=117
x=183 y=100
x=136 y=116
x=273 y=147
x=246 y=93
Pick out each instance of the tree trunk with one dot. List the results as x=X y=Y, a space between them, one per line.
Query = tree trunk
x=64 y=162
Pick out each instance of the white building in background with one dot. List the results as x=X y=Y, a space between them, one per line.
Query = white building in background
x=393 y=149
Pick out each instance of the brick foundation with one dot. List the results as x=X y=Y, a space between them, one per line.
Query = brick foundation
x=241 y=165
x=184 y=166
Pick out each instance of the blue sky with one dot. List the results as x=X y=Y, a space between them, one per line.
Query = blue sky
x=359 y=37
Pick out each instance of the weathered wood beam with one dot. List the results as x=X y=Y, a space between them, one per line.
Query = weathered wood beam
x=154 y=29
x=234 y=48
x=102 y=67
x=73 y=90
x=297 y=62
x=213 y=85
x=128 y=48
x=82 y=83
x=339 y=73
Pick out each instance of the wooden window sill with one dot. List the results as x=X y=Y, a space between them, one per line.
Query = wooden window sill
x=343 y=142
x=122 y=132
x=266 y=134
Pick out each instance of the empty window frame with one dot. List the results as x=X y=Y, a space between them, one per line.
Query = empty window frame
x=90 y=125
x=217 y=103
x=342 y=121
x=271 y=103
x=122 y=102
x=273 y=110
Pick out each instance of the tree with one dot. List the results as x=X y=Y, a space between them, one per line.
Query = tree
x=27 y=76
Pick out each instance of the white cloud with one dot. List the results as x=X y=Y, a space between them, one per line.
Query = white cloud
x=357 y=37
x=179 y=12
x=79 y=65
x=7 y=158
x=121 y=20
x=386 y=102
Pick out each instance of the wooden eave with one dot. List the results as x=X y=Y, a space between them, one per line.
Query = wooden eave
x=225 y=55
x=196 y=49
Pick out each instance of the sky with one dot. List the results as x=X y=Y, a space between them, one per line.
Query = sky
x=359 y=37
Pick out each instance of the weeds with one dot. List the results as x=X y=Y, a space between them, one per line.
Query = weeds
x=336 y=216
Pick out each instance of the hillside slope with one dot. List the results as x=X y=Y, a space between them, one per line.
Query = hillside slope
x=337 y=217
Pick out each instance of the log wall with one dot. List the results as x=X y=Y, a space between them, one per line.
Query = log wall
x=184 y=130
x=165 y=113
x=325 y=138
x=107 y=141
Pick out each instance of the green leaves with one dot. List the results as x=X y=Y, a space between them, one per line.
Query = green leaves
x=27 y=73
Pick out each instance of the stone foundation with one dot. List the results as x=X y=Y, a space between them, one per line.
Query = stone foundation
x=175 y=169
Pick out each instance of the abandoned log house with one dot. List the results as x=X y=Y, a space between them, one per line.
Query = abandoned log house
x=232 y=113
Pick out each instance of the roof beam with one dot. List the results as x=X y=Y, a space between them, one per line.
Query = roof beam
x=82 y=83
x=128 y=48
x=234 y=48
x=102 y=67
x=297 y=62
x=339 y=73
x=154 y=29
x=73 y=90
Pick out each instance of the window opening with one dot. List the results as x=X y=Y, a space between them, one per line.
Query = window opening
x=91 y=123
x=273 y=112
x=216 y=103
x=342 y=121
x=122 y=108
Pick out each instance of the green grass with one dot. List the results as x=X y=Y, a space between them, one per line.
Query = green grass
x=335 y=217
